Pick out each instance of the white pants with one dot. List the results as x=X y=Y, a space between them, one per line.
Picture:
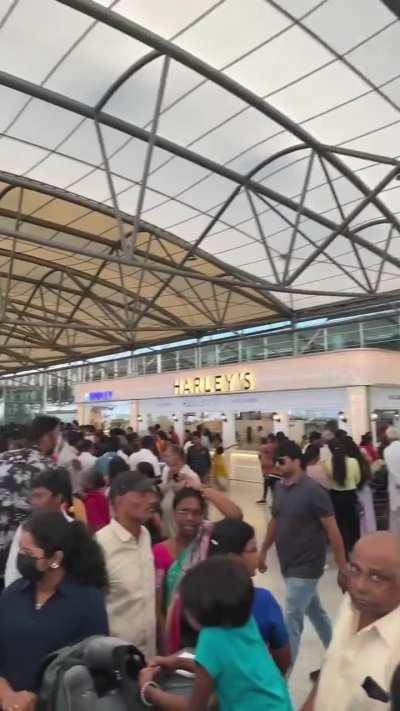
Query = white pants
x=394 y=522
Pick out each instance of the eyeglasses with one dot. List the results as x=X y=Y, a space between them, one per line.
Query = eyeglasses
x=185 y=513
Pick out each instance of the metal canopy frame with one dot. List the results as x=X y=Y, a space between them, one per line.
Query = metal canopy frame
x=66 y=292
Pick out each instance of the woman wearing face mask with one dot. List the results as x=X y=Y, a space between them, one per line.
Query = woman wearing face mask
x=58 y=601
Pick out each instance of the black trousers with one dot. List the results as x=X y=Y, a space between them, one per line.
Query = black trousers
x=345 y=504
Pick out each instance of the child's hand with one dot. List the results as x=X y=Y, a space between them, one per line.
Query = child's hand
x=146 y=675
x=171 y=662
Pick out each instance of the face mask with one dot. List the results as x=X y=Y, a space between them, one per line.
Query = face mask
x=26 y=566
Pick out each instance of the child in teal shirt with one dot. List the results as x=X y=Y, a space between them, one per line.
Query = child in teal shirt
x=231 y=657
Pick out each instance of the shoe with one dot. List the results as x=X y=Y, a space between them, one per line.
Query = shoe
x=314 y=675
x=262 y=501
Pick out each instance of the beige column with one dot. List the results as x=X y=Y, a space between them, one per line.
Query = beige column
x=357 y=411
x=134 y=411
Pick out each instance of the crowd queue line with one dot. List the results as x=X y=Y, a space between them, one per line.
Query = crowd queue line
x=110 y=535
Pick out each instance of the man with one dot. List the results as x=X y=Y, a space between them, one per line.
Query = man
x=18 y=467
x=146 y=454
x=365 y=648
x=198 y=458
x=302 y=522
x=270 y=474
x=176 y=475
x=51 y=491
x=391 y=455
x=127 y=549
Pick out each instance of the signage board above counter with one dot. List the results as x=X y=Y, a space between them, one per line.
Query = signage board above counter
x=214 y=384
x=99 y=396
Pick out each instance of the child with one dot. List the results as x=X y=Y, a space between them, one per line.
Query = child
x=219 y=470
x=231 y=657
x=96 y=504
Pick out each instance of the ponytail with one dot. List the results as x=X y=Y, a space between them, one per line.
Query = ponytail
x=338 y=463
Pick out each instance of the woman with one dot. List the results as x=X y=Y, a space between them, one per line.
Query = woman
x=237 y=538
x=313 y=466
x=175 y=556
x=368 y=449
x=364 y=493
x=58 y=602
x=176 y=475
x=344 y=476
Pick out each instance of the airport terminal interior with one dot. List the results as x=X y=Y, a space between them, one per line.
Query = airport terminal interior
x=200 y=355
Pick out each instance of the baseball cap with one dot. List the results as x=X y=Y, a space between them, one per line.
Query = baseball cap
x=129 y=481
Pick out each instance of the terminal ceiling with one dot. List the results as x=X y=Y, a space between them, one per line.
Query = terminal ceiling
x=175 y=168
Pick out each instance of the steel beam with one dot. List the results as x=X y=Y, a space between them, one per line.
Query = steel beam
x=251 y=284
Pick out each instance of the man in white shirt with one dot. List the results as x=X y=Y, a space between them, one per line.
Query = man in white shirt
x=129 y=559
x=51 y=491
x=176 y=475
x=146 y=454
x=392 y=458
x=365 y=648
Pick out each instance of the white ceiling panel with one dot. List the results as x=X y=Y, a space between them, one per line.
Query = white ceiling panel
x=256 y=26
x=341 y=24
x=378 y=58
x=310 y=55
x=33 y=60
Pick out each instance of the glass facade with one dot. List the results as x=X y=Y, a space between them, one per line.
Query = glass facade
x=23 y=395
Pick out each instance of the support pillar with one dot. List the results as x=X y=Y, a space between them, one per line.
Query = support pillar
x=281 y=423
x=357 y=411
x=229 y=430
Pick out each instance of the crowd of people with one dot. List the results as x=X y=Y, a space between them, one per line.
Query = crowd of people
x=113 y=535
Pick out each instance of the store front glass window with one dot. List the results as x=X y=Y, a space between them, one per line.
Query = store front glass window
x=208 y=355
x=310 y=341
x=168 y=361
x=253 y=349
x=279 y=345
x=121 y=367
x=228 y=352
x=381 y=333
x=187 y=358
x=343 y=336
x=107 y=416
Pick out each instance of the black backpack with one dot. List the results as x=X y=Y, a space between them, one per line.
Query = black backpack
x=98 y=674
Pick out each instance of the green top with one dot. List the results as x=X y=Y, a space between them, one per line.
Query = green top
x=246 y=678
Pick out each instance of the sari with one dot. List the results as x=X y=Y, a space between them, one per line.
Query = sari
x=189 y=558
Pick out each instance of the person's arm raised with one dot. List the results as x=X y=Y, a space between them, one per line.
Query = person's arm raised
x=221 y=502
x=269 y=540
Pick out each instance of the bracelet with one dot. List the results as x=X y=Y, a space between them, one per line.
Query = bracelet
x=143 y=692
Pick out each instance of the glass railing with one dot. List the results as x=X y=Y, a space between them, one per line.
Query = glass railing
x=369 y=333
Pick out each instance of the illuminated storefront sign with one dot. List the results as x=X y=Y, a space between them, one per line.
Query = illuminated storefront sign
x=207 y=384
x=99 y=396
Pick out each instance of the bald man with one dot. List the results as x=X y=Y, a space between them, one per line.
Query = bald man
x=365 y=648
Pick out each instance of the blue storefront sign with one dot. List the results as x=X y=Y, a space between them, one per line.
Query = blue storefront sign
x=99 y=395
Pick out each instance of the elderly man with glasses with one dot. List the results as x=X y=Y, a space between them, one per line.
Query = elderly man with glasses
x=365 y=649
x=301 y=525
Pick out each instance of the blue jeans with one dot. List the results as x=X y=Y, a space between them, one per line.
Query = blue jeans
x=303 y=599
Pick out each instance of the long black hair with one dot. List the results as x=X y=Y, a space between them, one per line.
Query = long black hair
x=338 y=462
x=83 y=558
x=351 y=450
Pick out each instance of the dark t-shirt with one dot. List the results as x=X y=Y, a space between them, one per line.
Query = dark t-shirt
x=300 y=536
x=198 y=459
